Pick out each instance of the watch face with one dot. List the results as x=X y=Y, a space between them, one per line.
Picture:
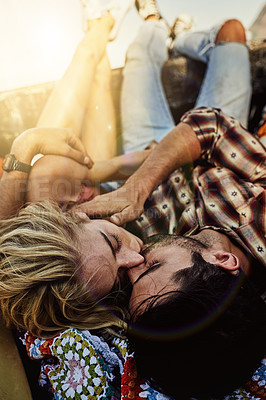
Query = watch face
x=8 y=162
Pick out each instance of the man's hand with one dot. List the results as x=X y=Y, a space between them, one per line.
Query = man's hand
x=52 y=141
x=178 y=148
x=123 y=205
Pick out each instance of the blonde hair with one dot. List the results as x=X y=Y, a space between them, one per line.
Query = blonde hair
x=40 y=285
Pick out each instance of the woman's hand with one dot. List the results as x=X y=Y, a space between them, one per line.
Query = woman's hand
x=52 y=141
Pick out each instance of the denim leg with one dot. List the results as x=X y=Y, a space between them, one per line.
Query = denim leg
x=227 y=82
x=197 y=45
x=146 y=115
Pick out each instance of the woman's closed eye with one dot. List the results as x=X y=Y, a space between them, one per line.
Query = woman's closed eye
x=118 y=242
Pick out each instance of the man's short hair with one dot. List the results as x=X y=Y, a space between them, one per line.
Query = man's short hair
x=204 y=339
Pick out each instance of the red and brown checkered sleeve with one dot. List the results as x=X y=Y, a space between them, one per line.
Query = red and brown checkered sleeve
x=204 y=122
x=226 y=143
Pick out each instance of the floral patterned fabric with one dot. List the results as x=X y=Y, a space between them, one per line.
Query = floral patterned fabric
x=84 y=366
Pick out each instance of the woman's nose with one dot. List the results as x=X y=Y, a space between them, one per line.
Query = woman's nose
x=129 y=258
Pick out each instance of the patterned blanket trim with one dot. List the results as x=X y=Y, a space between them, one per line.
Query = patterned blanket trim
x=81 y=366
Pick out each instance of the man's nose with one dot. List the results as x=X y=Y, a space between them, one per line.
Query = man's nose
x=129 y=258
x=134 y=273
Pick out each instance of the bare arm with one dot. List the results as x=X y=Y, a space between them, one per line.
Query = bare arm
x=119 y=167
x=39 y=140
x=178 y=148
x=61 y=178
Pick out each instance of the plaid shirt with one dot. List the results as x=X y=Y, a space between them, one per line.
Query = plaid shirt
x=223 y=190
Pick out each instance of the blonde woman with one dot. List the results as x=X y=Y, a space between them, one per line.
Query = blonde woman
x=76 y=126
x=57 y=269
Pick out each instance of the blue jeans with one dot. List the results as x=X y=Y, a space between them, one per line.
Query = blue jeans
x=145 y=111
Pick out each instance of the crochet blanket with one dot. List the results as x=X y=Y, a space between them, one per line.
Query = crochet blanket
x=83 y=366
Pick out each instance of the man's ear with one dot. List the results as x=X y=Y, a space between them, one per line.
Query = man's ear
x=223 y=259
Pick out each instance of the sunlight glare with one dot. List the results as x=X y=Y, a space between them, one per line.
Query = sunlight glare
x=51 y=48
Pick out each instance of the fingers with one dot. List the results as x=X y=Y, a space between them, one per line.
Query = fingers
x=102 y=207
x=127 y=215
x=77 y=150
x=76 y=155
x=64 y=142
x=93 y=208
x=116 y=219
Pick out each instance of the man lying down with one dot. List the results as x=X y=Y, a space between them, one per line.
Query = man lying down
x=195 y=292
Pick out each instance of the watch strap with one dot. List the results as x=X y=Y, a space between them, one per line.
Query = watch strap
x=10 y=163
x=20 y=166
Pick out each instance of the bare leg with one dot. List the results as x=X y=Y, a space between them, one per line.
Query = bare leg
x=66 y=108
x=68 y=102
x=99 y=129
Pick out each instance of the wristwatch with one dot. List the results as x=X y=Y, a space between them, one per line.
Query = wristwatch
x=10 y=163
